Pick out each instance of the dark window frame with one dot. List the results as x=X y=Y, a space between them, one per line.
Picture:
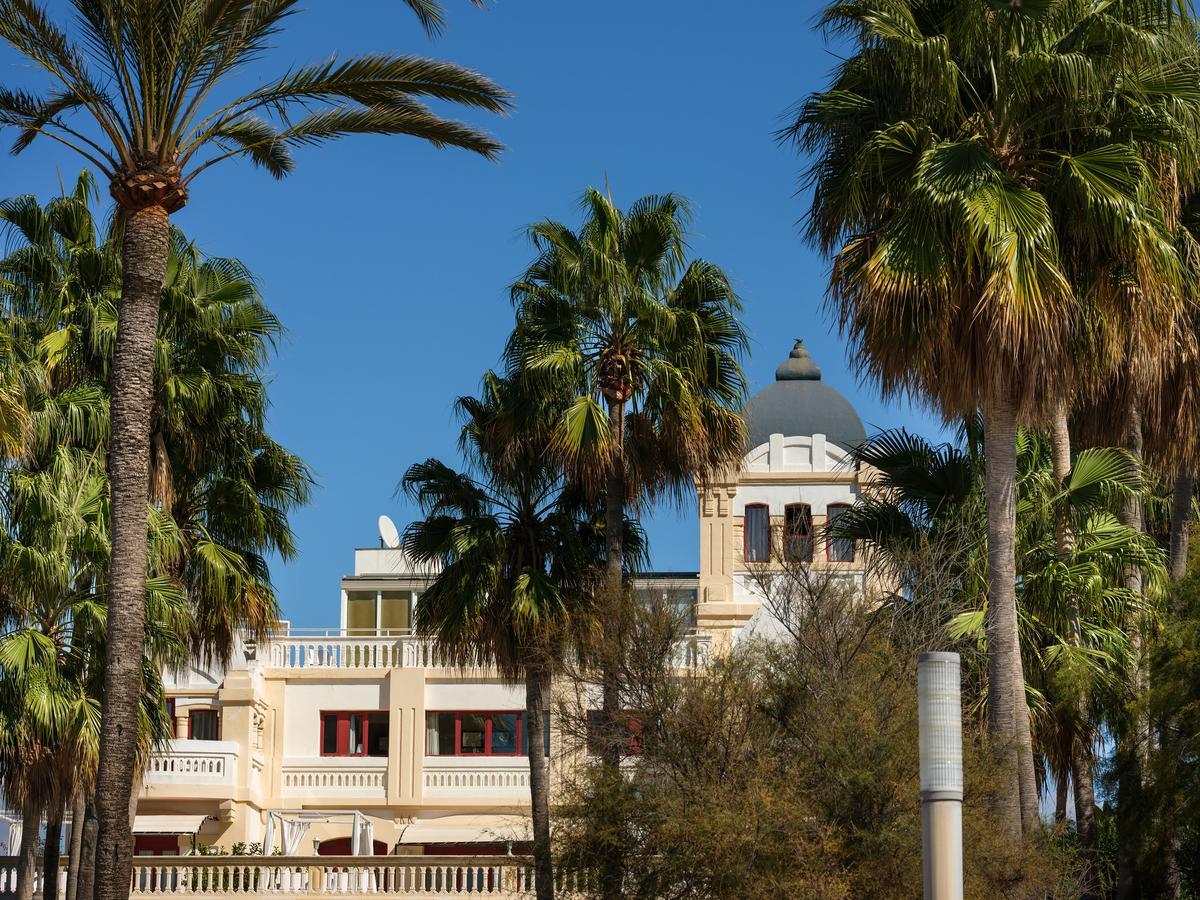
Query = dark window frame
x=829 y=539
x=343 y=748
x=789 y=538
x=634 y=728
x=746 y=531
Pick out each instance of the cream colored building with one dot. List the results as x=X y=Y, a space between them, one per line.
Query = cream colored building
x=366 y=718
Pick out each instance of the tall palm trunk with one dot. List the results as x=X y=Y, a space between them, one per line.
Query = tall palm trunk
x=85 y=889
x=612 y=874
x=1016 y=805
x=31 y=821
x=51 y=855
x=78 y=805
x=537 y=688
x=144 y=260
x=1181 y=523
x=1133 y=741
x=1081 y=758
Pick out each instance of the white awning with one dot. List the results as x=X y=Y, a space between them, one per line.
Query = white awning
x=468 y=830
x=167 y=824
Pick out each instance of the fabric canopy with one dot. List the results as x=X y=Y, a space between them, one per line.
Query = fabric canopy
x=468 y=830
x=167 y=824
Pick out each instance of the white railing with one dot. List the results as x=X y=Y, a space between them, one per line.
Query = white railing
x=314 y=652
x=194 y=762
x=335 y=777
x=407 y=876
x=8 y=877
x=353 y=652
x=445 y=778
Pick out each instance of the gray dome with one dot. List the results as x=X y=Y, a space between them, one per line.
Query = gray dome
x=798 y=403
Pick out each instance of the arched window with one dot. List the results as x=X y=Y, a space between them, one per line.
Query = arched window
x=797 y=529
x=756 y=533
x=837 y=549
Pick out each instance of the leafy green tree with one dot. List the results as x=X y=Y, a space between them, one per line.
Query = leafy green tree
x=971 y=159
x=648 y=344
x=135 y=88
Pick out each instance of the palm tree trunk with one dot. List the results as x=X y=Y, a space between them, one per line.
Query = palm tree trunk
x=612 y=874
x=31 y=821
x=85 y=889
x=78 y=805
x=1132 y=742
x=537 y=688
x=144 y=260
x=1016 y=804
x=1081 y=758
x=1061 y=788
x=51 y=855
x=1181 y=523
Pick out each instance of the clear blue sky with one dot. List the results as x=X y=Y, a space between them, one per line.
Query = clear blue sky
x=388 y=261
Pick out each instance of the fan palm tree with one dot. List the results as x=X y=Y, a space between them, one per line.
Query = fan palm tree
x=135 y=83
x=513 y=551
x=953 y=147
x=649 y=345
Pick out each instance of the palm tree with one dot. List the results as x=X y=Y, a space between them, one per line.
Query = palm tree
x=649 y=345
x=134 y=94
x=222 y=488
x=953 y=147
x=1073 y=610
x=513 y=550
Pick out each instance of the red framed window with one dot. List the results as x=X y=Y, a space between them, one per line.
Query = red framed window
x=756 y=533
x=797 y=527
x=354 y=733
x=629 y=721
x=204 y=724
x=837 y=549
x=478 y=733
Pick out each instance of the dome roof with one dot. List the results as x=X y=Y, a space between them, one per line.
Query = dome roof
x=799 y=403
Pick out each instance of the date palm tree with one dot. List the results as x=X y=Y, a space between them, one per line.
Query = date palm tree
x=953 y=150
x=649 y=345
x=135 y=92
x=514 y=550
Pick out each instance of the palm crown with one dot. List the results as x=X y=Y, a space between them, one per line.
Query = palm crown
x=145 y=77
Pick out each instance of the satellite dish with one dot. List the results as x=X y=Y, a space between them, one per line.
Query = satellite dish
x=388 y=533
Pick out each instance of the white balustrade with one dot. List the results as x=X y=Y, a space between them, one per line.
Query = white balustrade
x=193 y=762
x=455 y=778
x=421 y=878
x=335 y=776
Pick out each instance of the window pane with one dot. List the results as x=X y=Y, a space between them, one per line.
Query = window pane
x=439 y=730
x=377 y=734
x=329 y=725
x=798 y=523
x=504 y=733
x=394 y=610
x=758 y=534
x=203 y=725
x=473 y=733
x=840 y=549
x=356 y=734
x=360 y=611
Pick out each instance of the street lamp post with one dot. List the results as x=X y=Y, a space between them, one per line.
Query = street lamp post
x=939 y=714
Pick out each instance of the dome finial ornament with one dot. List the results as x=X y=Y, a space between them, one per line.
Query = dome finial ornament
x=799 y=365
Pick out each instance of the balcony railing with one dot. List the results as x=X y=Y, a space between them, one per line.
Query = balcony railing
x=413 y=877
x=449 y=778
x=353 y=651
x=194 y=762
x=335 y=776
x=423 y=878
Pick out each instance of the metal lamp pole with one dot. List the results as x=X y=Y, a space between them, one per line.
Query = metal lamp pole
x=939 y=714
